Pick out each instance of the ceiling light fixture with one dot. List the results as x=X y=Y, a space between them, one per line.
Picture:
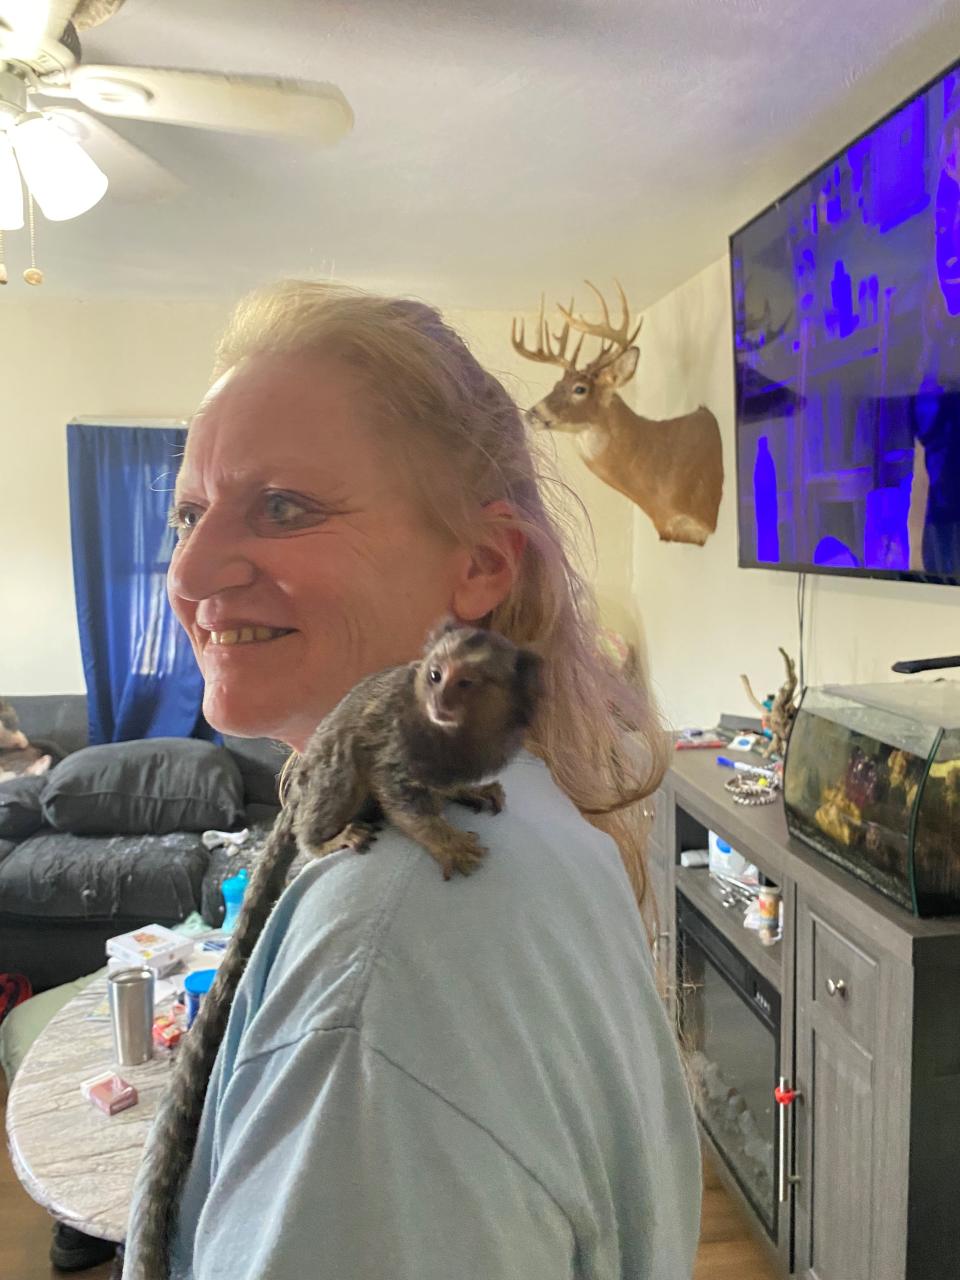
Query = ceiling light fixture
x=59 y=174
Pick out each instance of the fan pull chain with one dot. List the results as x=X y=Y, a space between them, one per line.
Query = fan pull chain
x=3 y=262
x=33 y=274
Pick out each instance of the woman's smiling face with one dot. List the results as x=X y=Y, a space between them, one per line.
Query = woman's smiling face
x=304 y=562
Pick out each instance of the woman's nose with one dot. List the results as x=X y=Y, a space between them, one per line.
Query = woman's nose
x=209 y=560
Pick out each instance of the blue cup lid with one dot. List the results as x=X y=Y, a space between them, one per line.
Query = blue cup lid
x=236 y=884
x=200 y=981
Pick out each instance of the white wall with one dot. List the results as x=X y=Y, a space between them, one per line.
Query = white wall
x=60 y=360
x=133 y=360
x=706 y=620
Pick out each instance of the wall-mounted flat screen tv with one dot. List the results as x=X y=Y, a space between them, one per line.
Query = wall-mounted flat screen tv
x=846 y=306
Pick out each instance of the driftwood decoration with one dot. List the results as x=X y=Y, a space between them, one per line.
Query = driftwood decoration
x=778 y=711
x=672 y=469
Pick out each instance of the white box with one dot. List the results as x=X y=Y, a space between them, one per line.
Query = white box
x=158 y=948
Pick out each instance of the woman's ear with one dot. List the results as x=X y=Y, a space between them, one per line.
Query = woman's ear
x=492 y=566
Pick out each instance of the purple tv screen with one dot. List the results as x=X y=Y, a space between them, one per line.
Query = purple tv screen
x=846 y=303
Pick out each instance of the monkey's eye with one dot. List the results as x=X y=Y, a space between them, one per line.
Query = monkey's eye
x=434 y=675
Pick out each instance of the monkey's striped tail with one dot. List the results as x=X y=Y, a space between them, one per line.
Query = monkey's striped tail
x=173 y=1136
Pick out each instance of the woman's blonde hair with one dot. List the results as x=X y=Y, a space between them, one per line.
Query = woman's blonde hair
x=464 y=444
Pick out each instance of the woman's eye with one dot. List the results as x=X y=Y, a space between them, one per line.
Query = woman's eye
x=285 y=512
x=278 y=507
x=182 y=519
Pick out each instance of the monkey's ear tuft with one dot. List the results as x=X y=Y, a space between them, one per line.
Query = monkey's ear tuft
x=442 y=628
x=529 y=672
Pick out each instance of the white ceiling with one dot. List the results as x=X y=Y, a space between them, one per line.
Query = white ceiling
x=501 y=146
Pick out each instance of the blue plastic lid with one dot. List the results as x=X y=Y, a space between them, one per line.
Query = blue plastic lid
x=200 y=981
x=723 y=846
x=235 y=886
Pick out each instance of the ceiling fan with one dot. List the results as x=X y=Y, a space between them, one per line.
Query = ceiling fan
x=66 y=155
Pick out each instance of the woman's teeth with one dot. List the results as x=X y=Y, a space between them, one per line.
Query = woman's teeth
x=246 y=635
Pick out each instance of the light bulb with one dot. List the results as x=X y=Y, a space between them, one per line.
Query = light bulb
x=11 y=188
x=61 y=177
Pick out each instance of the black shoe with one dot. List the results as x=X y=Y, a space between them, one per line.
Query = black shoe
x=71 y=1250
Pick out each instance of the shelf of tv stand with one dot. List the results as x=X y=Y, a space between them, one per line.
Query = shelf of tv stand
x=699 y=888
x=885 y=1058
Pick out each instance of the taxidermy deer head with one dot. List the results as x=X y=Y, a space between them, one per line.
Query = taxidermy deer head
x=672 y=469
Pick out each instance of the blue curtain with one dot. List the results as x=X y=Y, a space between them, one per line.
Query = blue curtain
x=142 y=679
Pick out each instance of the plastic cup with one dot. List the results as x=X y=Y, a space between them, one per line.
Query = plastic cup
x=195 y=987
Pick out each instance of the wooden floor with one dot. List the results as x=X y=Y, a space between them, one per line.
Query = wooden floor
x=24 y=1227
x=728 y=1249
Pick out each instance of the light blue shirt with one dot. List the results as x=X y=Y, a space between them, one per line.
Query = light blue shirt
x=463 y=1080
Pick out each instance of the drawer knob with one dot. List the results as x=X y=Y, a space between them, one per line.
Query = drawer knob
x=837 y=988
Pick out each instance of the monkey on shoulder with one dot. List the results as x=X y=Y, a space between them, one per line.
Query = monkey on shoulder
x=406 y=741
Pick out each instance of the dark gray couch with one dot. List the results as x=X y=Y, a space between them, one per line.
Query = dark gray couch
x=60 y=903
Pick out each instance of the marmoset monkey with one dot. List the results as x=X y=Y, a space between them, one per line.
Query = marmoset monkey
x=397 y=747
x=405 y=741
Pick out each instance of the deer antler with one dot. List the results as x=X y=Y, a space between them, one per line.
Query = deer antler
x=615 y=341
x=545 y=352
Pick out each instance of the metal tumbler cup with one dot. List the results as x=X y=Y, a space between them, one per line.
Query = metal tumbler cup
x=131 y=1015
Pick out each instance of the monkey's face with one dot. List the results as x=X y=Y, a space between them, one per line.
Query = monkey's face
x=451 y=689
x=476 y=679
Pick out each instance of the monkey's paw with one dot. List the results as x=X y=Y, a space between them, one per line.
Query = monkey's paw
x=358 y=836
x=460 y=852
x=489 y=796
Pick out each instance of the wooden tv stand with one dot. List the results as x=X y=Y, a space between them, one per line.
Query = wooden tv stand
x=876 y=1131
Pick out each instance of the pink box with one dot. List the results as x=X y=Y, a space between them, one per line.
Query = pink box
x=110 y=1092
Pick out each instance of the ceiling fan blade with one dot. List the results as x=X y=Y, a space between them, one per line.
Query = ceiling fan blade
x=30 y=29
x=134 y=176
x=207 y=100
x=90 y=13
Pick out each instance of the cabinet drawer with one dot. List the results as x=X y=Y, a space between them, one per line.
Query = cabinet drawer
x=845 y=983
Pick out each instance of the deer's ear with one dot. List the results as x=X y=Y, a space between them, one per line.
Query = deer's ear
x=619 y=371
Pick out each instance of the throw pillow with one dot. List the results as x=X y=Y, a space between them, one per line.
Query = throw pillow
x=20 y=814
x=152 y=786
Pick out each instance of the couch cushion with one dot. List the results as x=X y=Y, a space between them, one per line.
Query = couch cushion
x=20 y=814
x=59 y=718
x=260 y=761
x=152 y=786
x=59 y=875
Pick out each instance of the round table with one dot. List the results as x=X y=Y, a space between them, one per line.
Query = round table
x=72 y=1158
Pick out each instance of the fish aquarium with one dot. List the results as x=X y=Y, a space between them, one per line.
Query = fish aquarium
x=872 y=782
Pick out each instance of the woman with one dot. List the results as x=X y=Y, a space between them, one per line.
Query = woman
x=420 y=1079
